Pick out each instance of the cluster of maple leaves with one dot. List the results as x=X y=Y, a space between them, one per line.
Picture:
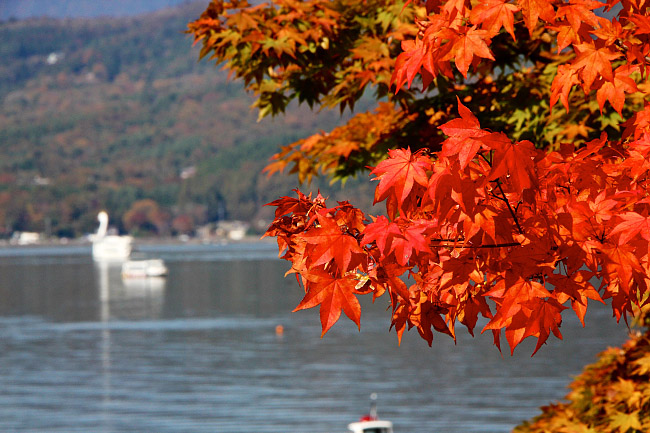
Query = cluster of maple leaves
x=454 y=30
x=611 y=395
x=485 y=219
x=476 y=223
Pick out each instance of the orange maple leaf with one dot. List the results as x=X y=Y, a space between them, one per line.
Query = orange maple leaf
x=615 y=90
x=643 y=24
x=564 y=80
x=533 y=10
x=494 y=14
x=333 y=294
x=465 y=45
x=609 y=31
x=566 y=35
x=592 y=62
x=620 y=264
x=578 y=12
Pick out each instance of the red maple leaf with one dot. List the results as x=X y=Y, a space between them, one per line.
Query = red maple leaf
x=545 y=317
x=514 y=160
x=300 y=205
x=511 y=298
x=610 y=31
x=566 y=35
x=333 y=294
x=632 y=224
x=592 y=62
x=620 y=265
x=411 y=240
x=382 y=231
x=408 y=63
x=398 y=173
x=329 y=242
x=462 y=133
x=577 y=288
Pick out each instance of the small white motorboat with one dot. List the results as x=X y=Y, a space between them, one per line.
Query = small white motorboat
x=371 y=423
x=371 y=426
x=145 y=268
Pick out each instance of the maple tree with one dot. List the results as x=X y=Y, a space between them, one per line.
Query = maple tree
x=510 y=146
x=611 y=395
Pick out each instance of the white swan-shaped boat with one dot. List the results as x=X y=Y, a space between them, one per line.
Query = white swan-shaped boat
x=109 y=247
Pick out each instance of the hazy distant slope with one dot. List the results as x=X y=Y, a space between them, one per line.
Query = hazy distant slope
x=80 y=8
x=103 y=113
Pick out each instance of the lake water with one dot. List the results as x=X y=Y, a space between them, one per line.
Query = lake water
x=81 y=350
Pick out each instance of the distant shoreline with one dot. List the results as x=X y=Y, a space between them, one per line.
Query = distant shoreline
x=81 y=242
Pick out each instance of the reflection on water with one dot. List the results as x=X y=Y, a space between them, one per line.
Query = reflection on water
x=131 y=298
x=83 y=350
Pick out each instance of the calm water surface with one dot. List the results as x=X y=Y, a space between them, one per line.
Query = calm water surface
x=81 y=350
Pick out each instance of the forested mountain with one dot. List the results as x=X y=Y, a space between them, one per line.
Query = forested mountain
x=118 y=114
x=20 y=9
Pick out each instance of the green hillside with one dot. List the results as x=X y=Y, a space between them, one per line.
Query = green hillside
x=104 y=113
x=20 y=9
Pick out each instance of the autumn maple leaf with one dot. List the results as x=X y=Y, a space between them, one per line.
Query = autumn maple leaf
x=609 y=31
x=494 y=14
x=576 y=287
x=563 y=83
x=623 y=422
x=514 y=160
x=328 y=243
x=533 y=10
x=410 y=241
x=620 y=264
x=511 y=298
x=382 y=231
x=408 y=63
x=642 y=22
x=288 y=205
x=614 y=91
x=462 y=136
x=566 y=36
x=467 y=126
x=593 y=62
x=333 y=294
x=578 y=12
x=632 y=224
x=519 y=311
x=545 y=318
x=398 y=173
x=466 y=44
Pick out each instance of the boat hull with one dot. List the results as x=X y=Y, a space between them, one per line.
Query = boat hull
x=151 y=268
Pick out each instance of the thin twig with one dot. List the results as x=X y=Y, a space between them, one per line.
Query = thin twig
x=512 y=212
x=454 y=243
